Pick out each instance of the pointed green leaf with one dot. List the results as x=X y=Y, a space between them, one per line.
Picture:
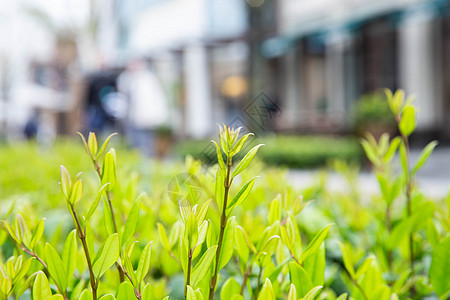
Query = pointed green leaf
x=219 y=188
x=243 y=164
x=345 y=250
x=300 y=279
x=270 y=245
x=126 y=291
x=109 y=171
x=41 y=288
x=86 y=295
x=11 y=232
x=37 y=234
x=69 y=254
x=202 y=266
x=95 y=203
x=274 y=211
x=249 y=243
x=315 y=243
x=131 y=223
x=239 y=144
x=311 y=295
x=190 y=294
x=342 y=297
x=92 y=143
x=408 y=121
x=147 y=294
x=292 y=295
x=202 y=211
x=144 y=263
x=230 y=288
x=104 y=145
x=56 y=267
x=242 y=195
x=85 y=143
x=129 y=267
x=370 y=153
x=76 y=192
x=24 y=268
x=107 y=255
x=315 y=266
x=219 y=157
x=392 y=149
x=266 y=292
x=66 y=182
x=27 y=284
x=424 y=155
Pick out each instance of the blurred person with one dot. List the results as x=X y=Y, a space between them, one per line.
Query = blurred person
x=101 y=86
x=31 y=127
x=147 y=105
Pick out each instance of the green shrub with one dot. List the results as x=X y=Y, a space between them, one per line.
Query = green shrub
x=290 y=151
x=237 y=231
x=373 y=109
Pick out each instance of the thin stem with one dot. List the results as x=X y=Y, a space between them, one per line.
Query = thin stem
x=258 y=286
x=137 y=292
x=389 y=228
x=247 y=274
x=408 y=203
x=223 y=223
x=82 y=236
x=188 y=277
x=31 y=253
x=108 y=194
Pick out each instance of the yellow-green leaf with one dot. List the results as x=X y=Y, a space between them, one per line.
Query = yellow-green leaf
x=41 y=288
x=144 y=263
x=55 y=267
x=107 y=255
x=92 y=143
x=109 y=171
x=203 y=265
x=243 y=164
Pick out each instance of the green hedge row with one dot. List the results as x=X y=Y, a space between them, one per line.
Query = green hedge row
x=290 y=151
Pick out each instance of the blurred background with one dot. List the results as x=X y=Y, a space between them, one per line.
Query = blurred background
x=161 y=72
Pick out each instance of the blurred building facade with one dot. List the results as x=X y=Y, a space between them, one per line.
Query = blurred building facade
x=310 y=59
x=339 y=50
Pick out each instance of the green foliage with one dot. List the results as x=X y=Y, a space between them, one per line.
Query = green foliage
x=291 y=151
x=236 y=229
x=372 y=109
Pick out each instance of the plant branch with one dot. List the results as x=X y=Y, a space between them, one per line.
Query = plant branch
x=223 y=223
x=247 y=274
x=408 y=203
x=258 y=286
x=108 y=194
x=137 y=291
x=82 y=236
x=31 y=253
x=188 y=277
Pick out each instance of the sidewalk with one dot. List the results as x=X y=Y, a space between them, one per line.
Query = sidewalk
x=433 y=179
